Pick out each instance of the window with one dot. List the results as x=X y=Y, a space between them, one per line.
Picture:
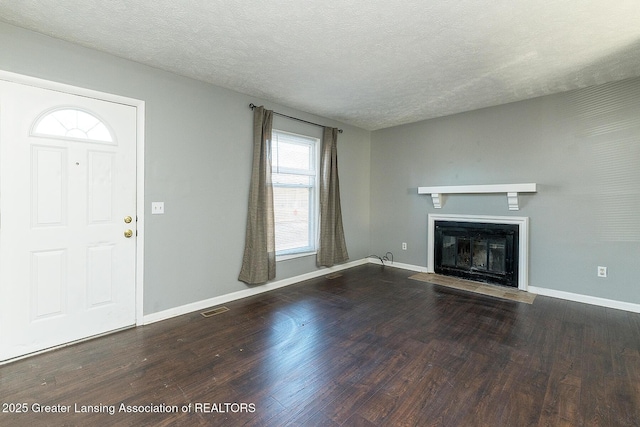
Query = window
x=294 y=160
x=72 y=123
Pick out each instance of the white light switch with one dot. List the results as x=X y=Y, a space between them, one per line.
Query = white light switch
x=157 y=208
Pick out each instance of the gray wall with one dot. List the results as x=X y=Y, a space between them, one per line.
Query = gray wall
x=581 y=147
x=197 y=160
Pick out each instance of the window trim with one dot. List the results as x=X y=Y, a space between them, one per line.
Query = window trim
x=295 y=255
x=314 y=209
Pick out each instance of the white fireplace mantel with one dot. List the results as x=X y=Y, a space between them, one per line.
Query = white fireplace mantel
x=511 y=190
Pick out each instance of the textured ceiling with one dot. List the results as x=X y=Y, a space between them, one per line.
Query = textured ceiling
x=369 y=63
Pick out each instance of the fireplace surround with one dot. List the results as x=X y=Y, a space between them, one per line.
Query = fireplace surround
x=502 y=234
x=479 y=251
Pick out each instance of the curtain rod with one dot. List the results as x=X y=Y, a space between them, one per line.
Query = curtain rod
x=252 y=106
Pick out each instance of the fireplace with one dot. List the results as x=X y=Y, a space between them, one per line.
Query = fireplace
x=491 y=249
x=482 y=252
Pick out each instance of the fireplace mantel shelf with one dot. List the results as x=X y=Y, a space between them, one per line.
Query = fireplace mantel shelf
x=511 y=190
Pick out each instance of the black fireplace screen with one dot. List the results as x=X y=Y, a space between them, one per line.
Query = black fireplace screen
x=478 y=251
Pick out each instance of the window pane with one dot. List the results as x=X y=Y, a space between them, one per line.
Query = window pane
x=294 y=156
x=49 y=125
x=291 y=209
x=290 y=179
x=292 y=152
x=72 y=123
x=293 y=159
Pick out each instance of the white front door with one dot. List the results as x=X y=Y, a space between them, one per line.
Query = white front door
x=67 y=188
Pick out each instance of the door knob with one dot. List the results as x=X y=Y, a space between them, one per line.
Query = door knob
x=128 y=233
x=128 y=219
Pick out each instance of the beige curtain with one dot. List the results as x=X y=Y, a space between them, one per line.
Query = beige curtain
x=259 y=261
x=332 y=248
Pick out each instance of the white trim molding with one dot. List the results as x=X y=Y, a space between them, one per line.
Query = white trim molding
x=399 y=265
x=552 y=293
x=586 y=299
x=511 y=190
x=223 y=299
x=139 y=105
x=523 y=239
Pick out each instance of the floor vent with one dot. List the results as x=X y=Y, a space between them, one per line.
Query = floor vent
x=333 y=276
x=214 y=311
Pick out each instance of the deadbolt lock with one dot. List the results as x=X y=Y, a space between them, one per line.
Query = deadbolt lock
x=128 y=233
x=128 y=219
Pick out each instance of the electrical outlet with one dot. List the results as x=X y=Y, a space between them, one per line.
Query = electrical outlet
x=602 y=271
x=404 y=246
x=157 y=208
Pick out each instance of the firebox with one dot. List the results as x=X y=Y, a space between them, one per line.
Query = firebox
x=486 y=252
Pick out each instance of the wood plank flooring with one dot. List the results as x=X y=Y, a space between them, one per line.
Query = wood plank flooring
x=369 y=348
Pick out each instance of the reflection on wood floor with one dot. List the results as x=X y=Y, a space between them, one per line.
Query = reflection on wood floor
x=369 y=348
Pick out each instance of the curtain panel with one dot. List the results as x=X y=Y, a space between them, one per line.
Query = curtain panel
x=259 y=260
x=332 y=248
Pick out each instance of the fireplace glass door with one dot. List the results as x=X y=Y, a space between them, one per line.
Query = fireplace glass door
x=477 y=251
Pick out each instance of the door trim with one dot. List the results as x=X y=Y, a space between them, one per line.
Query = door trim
x=139 y=105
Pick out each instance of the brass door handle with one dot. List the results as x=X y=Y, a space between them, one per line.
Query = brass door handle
x=128 y=233
x=128 y=219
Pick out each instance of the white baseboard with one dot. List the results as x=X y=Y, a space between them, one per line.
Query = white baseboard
x=586 y=299
x=400 y=265
x=569 y=296
x=223 y=299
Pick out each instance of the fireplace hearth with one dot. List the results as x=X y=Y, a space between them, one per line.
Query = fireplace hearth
x=485 y=252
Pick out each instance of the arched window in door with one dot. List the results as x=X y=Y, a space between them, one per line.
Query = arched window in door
x=72 y=123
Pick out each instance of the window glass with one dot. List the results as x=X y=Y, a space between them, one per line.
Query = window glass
x=294 y=164
x=72 y=123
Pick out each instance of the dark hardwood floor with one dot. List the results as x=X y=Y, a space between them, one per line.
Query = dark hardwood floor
x=370 y=348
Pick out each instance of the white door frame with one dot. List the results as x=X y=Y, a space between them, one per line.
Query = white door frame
x=140 y=114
